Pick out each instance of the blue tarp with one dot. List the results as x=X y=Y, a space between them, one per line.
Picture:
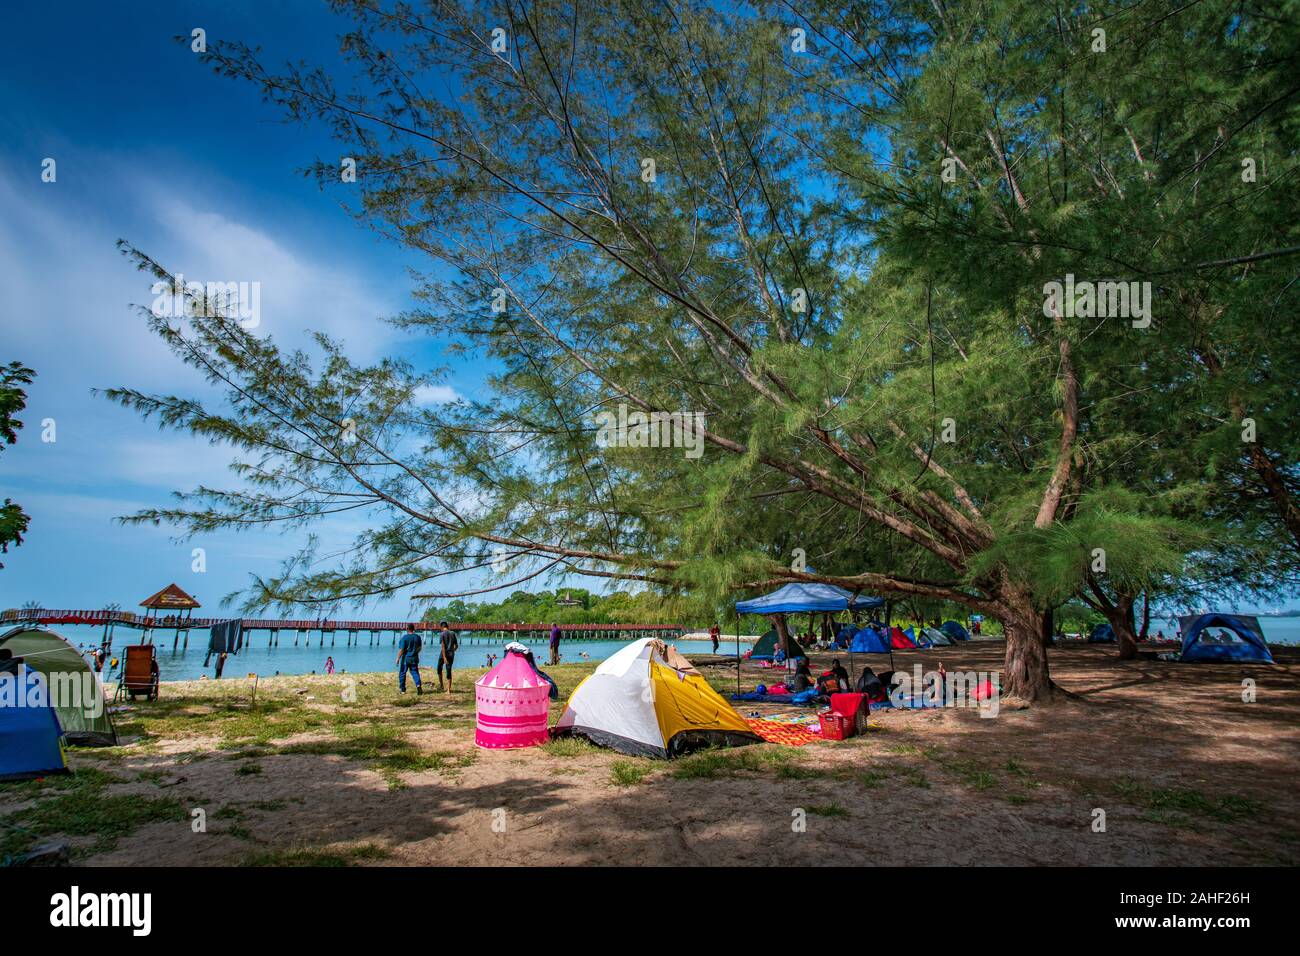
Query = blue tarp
x=1198 y=646
x=801 y=598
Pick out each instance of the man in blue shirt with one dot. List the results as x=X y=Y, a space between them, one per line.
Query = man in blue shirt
x=408 y=659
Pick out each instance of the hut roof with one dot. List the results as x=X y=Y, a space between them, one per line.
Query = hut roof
x=170 y=598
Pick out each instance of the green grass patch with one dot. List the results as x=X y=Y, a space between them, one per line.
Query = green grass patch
x=78 y=806
x=723 y=762
x=912 y=750
x=568 y=747
x=1180 y=806
x=915 y=778
x=627 y=773
x=385 y=748
x=310 y=856
x=972 y=773
x=872 y=778
x=828 y=810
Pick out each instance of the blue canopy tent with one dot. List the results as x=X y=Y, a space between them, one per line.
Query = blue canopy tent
x=1240 y=638
x=801 y=597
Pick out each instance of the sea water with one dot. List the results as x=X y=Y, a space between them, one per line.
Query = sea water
x=256 y=657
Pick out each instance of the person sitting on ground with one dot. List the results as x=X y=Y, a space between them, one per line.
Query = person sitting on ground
x=778 y=655
x=828 y=684
x=802 y=677
x=838 y=670
x=870 y=685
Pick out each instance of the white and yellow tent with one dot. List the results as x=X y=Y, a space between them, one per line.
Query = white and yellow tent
x=647 y=700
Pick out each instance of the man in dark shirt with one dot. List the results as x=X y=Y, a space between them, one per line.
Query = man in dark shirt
x=408 y=659
x=555 y=643
x=447 y=644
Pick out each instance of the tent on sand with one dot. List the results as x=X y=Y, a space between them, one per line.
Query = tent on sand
x=31 y=742
x=955 y=631
x=77 y=695
x=932 y=637
x=869 y=640
x=1102 y=634
x=649 y=701
x=1237 y=638
x=765 y=647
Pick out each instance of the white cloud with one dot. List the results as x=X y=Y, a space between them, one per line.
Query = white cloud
x=299 y=295
x=435 y=395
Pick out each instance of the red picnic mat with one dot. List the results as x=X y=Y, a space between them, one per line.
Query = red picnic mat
x=776 y=732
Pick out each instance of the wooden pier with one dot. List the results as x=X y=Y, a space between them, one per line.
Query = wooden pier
x=351 y=631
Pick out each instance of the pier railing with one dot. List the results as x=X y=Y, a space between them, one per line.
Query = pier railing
x=183 y=624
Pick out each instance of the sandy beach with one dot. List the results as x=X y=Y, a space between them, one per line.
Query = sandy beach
x=1186 y=773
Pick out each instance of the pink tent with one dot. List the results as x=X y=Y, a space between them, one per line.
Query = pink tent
x=511 y=701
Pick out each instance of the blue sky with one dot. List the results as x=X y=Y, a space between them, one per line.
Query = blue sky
x=193 y=169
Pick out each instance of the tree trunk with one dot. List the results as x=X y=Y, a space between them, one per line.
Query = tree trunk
x=1120 y=618
x=1049 y=627
x=1025 y=676
x=782 y=633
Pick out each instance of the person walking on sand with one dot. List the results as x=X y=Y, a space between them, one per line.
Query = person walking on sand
x=408 y=659
x=714 y=631
x=329 y=665
x=447 y=644
x=555 y=645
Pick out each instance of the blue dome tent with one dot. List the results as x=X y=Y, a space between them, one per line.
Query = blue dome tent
x=1239 y=638
x=31 y=740
x=1102 y=634
x=869 y=640
x=954 y=631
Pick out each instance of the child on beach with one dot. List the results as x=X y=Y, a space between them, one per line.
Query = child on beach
x=329 y=665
